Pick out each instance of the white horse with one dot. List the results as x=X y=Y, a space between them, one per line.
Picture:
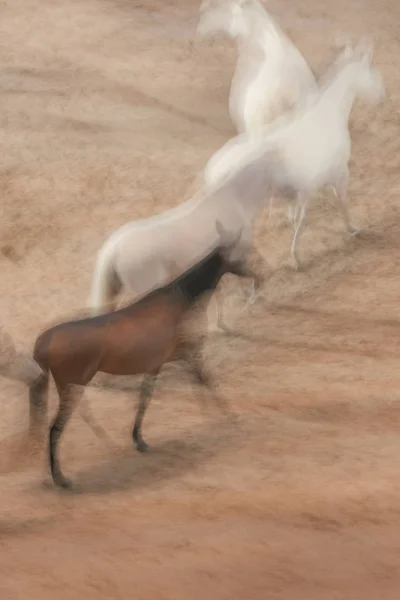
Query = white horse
x=271 y=75
x=311 y=149
x=145 y=254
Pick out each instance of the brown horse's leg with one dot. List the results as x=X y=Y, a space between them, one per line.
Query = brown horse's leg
x=146 y=392
x=38 y=393
x=194 y=360
x=69 y=398
x=99 y=431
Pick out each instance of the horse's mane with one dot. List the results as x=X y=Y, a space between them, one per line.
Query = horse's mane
x=345 y=57
x=261 y=12
x=179 y=280
x=255 y=8
x=82 y=317
x=193 y=269
x=251 y=145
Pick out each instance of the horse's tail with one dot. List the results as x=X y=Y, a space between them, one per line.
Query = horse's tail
x=17 y=365
x=38 y=395
x=105 y=283
x=22 y=367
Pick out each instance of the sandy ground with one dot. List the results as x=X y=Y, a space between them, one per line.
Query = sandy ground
x=108 y=109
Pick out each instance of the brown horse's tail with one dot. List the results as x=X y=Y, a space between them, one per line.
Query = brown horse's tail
x=17 y=365
x=38 y=395
x=22 y=367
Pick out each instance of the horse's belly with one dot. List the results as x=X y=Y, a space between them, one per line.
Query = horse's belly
x=74 y=355
x=311 y=163
x=133 y=362
x=142 y=351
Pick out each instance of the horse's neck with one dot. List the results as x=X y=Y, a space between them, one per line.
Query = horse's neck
x=201 y=280
x=340 y=94
x=204 y=204
x=245 y=191
x=256 y=48
x=261 y=32
x=193 y=204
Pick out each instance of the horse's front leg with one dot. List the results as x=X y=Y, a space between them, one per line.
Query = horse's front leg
x=146 y=392
x=243 y=269
x=303 y=202
x=194 y=361
x=216 y=300
x=294 y=210
x=340 y=192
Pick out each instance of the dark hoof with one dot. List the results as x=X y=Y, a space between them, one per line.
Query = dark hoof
x=298 y=266
x=63 y=483
x=228 y=330
x=142 y=446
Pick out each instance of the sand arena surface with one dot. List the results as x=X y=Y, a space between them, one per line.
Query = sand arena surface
x=108 y=111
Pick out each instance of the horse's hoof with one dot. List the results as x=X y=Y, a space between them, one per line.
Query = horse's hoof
x=227 y=329
x=142 y=446
x=353 y=232
x=63 y=483
x=297 y=266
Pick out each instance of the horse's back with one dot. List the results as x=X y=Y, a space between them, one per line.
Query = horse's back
x=153 y=222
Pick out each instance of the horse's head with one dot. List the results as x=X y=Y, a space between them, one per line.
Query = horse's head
x=367 y=80
x=228 y=16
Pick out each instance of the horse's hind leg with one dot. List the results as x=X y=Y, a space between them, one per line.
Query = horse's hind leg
x=340 y=192
x=217 y=300
x=146 y=392
x=256 y=275
x=294 y=210
x=99 y=431
x=69 y=398
x=300 y=222
x=194 y=360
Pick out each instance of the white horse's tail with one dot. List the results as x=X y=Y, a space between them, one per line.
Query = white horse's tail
x=105 y=283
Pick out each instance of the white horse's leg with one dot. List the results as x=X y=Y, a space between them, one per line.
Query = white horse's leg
x=302 y=203
x=291 y=212
x=257 y=276
x=294 y=211
x=340 y=191
x=297 y=210
x=217 y=300
x=271 y=201
x=217 y=324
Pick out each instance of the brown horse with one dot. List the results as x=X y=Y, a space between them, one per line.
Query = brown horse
x=137 y=339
